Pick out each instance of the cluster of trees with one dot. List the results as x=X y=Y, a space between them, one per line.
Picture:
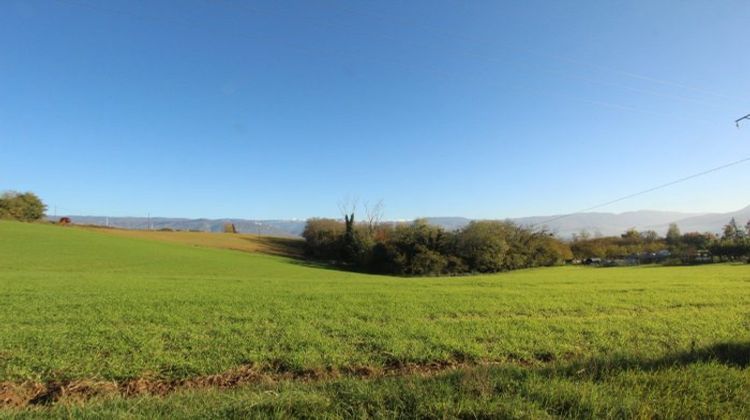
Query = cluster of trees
x=419 y=248
x=26 y=207
x=631 y=242
x=691 y=247
x=734 y=244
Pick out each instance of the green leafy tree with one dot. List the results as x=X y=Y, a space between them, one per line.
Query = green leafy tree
x=483 y=246
x=415 y=249
x=353 y=248
x=731 y=230
x=673 y=235
x=323 y=238
x=26 y=207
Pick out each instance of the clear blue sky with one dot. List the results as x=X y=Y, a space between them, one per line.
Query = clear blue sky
x=278 y=109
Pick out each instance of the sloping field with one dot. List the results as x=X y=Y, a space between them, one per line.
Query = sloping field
x=102 y=324
x=271 y=245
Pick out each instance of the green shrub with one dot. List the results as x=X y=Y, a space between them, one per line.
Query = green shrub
x=26 y=207
x=419 y=248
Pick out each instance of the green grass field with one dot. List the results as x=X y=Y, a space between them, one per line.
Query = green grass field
x=103 y=325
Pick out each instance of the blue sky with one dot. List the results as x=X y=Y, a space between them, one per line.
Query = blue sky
x=279 y=109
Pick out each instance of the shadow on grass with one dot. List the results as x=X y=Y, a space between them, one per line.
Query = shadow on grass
x=729 y=354
x=305 y=261
x=294 y=249
x=281 y=247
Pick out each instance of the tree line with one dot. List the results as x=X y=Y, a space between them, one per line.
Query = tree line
x=421 y=249
x=691 y=247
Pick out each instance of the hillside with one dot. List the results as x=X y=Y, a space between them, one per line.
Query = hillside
x=272 y=245
x=103 y=324
x=281 y=228
x=713 y=222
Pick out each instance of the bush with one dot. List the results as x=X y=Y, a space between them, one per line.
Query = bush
x=26 y=207
x=415 y=249
x=323 y=238
x=483 y=246
x=422 y=249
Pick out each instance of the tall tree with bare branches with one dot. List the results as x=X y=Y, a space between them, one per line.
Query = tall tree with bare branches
x=374 y=214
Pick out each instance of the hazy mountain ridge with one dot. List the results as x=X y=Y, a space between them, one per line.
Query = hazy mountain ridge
x=286 y=228
x=713 y=222
x=594 y=223
x=608 y=223
x=616 y=223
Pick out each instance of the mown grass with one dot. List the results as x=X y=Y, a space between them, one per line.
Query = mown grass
x=642 y=341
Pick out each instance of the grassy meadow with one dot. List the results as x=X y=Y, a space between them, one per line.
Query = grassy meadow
x=211 y=326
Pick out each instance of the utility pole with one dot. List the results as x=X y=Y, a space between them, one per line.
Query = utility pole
x=148 y=216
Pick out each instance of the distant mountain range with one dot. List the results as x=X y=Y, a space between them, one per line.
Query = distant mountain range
x=594 y=223
x=617 y=223
x=284 y=228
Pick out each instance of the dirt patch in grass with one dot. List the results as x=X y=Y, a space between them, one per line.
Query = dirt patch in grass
x=33 y=393
x=19 y=395
x=25 y=394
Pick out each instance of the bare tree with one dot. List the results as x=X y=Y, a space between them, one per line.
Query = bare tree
x=348 y=205
x=374 y=214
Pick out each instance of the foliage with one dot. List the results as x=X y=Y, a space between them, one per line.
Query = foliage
x=484 y=246
x=415 y=249
x=631 y=243
x=687 y=248
x=24 y=207
x=323 y=238
x=733 y=232
x=673 y=234
x=421 y=249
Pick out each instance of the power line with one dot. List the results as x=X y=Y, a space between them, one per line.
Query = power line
x=646 y=191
